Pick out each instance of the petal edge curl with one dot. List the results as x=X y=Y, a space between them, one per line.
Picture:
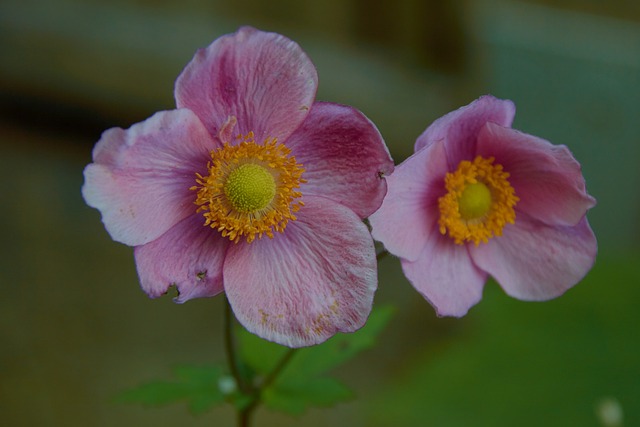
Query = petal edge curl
x=141 y=176
x=546 y=177
x=459 y=129
x=189 y=256
x=535 y=262
x=344 y=156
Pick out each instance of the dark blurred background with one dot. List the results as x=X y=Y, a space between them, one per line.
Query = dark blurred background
x=75 y=328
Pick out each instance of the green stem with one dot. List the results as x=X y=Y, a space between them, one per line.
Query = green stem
x=248 y=388
x=269 y=379
x=244 y=417
x=230 y=347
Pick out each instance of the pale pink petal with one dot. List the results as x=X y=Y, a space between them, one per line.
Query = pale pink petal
x=141 y=176
x=263 y=79
x=460 y=128
x=189 y=256
x=344 y=157
x=304 y=285
x=409 y=212
x=546 y=177
x=533 y=261
x=446 y=276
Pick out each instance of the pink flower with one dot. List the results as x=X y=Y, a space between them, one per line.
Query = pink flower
x=250 y=188
x=478 y=198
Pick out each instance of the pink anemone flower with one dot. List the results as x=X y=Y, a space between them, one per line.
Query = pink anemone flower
x=478 y=198
x=251 y=188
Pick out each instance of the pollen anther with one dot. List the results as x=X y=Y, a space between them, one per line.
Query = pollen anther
x=479 y=202
x=250 y=189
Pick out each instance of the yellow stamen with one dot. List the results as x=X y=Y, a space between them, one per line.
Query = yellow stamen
x=250 y=189
x=479 y=202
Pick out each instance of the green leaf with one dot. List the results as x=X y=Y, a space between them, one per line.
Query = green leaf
x=198 y=386
x=295 y=397
x=260 y=355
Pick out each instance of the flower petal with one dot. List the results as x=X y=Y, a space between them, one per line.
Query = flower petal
x=263 y=79
x=409 y=212
x=536 y=262
x=141 y=176
x=343 y=155
x=446 y=276
x=188 y=256
x=546 y=177
x=304 y=285
x=460 y=128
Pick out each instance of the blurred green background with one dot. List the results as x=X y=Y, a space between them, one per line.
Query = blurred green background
x=75 y=328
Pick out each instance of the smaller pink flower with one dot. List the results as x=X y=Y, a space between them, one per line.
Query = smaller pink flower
x=250 y=188
x=478 y=198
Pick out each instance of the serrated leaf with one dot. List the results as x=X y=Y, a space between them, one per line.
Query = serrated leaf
x=198 y=386
x=295 y=397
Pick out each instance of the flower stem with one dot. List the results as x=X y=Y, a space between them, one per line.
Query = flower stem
x=230 y=347
x=248 y=388
x=269 y=379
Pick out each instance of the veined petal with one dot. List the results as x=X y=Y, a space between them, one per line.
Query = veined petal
x=141 y=176
x=189 y=256
x=344 y=157
x=446 y=276
x=263 y=79
x=546 y=177
x=304 y=285
x=460 y=128
x=534 y=261
x=409 y=212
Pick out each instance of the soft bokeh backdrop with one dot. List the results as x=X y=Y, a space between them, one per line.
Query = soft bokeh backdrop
x=74 y=327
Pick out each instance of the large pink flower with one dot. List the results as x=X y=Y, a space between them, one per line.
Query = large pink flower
x=478 y=198
x=250 y=188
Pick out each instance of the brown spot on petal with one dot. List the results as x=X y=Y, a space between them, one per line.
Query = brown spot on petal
x=334 y=307
x=264 y=316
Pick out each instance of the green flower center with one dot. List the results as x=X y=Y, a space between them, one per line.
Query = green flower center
x=475 y=201
x=249 y=188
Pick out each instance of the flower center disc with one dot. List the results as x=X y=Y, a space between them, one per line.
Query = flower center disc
x=479 y=202
x=250 y=189
x=475 y=201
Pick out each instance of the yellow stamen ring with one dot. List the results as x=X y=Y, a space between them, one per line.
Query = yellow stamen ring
x=250 y=189
x=479 y=202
